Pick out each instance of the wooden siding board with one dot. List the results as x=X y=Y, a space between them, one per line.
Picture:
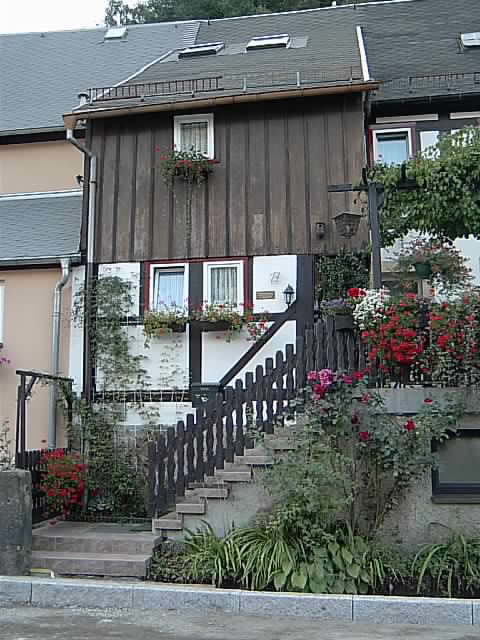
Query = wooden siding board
x=256 y=195
x=162 y=200
x=125 y=209
x=236 y=193
x=317 y=161
x=217 y=192
x=198 y=242
x=299 y=214
x=107 y=195
x=277 y=168
x=143 y=193
x=98 y=147
x=336 y=170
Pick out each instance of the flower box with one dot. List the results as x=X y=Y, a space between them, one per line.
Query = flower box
x=171 y=328
x=207 y=325
x=344 y=322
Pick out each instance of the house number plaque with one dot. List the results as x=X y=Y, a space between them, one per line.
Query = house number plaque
x=265 y=295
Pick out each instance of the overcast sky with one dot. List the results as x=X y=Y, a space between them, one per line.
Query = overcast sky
x=50 y=15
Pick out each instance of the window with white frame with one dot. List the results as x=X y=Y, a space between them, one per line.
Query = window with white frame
x=224 y=283
x=392 y=146
x=167 y=287
x=194 y=133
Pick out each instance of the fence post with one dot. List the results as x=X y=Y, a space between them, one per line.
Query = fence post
x=269 y=395
x=219 y=452
x=259 y=398
x=190 y=448
x=180 y=485
x=249 y=397
x=171 y=489
x=229 y=447
x=279 y=392
x=239 y=431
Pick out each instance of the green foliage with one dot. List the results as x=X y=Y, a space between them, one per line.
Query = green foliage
x=119 y=12
x=336 y=274
x=449 y=568
x=210 y=555
x=165 y=321
x=449 y=268
x=446 y=203
x=175 y=566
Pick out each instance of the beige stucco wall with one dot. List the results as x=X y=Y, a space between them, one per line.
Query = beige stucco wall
x=27 y=343
x=39 y=166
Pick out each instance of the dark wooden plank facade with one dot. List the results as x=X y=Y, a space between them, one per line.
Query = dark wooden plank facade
x=264 y=197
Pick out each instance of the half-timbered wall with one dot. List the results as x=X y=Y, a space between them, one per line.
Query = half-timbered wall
x=264 y=197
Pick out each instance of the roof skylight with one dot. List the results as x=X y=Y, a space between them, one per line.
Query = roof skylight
x=115 y=33
x=269 y=42
x=471 y=39
x=207 y=49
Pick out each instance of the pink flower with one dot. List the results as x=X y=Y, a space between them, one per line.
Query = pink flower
x=348 y=379
x=312 y=376
x=428 y=401
x=319 y=390
x=326 y=377
x=358 y=375
x=364 y=436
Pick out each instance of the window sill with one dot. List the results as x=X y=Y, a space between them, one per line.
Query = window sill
x=457 y=498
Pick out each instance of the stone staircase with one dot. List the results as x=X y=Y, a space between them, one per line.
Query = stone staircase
x=87 y=549
x=229 y=497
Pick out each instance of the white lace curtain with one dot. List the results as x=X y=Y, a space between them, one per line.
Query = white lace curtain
x=168 y=288
x=195 y=136
x=223 y=285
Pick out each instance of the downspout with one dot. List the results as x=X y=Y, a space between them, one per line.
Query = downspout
x=91 y=215
x=56 y=325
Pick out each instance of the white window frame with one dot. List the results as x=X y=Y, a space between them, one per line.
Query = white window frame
x=207 y=267
x=377 y=132
x=190 y=119
x=2 y=311
x=166 y=266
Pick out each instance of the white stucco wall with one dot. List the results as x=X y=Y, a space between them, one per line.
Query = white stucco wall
x=75 y=365
x=273 y=273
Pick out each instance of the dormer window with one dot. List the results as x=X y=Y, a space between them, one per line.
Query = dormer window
x=471 y=39
x=115 y=33
x=269 y=42
x=197 y=50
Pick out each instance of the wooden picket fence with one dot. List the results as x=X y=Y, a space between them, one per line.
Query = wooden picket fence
x=223 y=425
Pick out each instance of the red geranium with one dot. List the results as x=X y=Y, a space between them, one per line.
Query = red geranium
x=409 y=425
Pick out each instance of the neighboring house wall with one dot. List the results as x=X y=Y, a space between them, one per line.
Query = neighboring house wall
x=27 y=331
x=264 y=197
x=39 y=166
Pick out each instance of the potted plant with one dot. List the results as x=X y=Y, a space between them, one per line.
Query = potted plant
x=435 y=260
x=341 y=310
x=218 y=317
x=164 y=321
x=191 y=166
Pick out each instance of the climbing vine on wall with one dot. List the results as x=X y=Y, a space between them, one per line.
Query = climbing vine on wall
x=336 y=274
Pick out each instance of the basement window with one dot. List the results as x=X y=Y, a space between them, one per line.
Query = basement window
x=115 y=33
x=269 y=42
x=207 y=49
x=471 y=39
x=458 y=470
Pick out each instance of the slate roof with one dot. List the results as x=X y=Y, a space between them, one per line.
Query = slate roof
x=324 y=49
x=414 y=47
x=41 y=74
x=40 y=226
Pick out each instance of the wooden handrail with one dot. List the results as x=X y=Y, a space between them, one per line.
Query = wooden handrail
x=256 y=346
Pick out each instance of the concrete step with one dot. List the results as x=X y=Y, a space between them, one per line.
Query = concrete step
x=231 y=475
x=254 y=461
x=192 y=508
x=220 y=491
x=44 y=539
x=281 y=444
x=92 y=564
x=170 y=522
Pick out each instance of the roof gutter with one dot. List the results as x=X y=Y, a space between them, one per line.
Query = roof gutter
x=91 y=221
x=363 y=55
x=41 y=261
x=71 y=118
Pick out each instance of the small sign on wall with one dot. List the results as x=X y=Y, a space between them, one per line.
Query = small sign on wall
x=265 y=295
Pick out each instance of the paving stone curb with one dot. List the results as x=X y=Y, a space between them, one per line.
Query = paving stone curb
x=103 y=594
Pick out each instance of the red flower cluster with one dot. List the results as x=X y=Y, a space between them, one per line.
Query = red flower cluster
x=63 y=480
x=409 y=425
x=356 y=292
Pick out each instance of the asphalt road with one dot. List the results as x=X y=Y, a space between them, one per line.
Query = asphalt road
x=83 y=624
